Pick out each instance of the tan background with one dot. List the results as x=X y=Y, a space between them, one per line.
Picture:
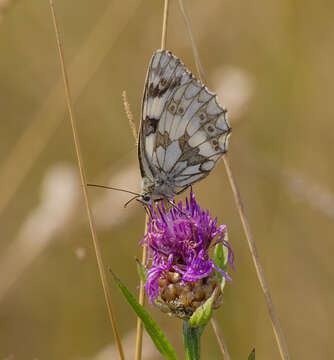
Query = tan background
x=271 y=62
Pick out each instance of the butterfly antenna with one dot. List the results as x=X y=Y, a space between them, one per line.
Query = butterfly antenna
x=113 y=188
x=128 y=202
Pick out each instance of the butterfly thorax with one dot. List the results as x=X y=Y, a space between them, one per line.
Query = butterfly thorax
x=157 y=189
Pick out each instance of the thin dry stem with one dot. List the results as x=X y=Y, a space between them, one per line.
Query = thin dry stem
x=130 y=116
x=198 y=64
x=141 y=297
x=84 y=186
x=282 y=346
x=139 y=340
x=93 y=51
x=219 y=336
x=257 y=263
x=164 y=26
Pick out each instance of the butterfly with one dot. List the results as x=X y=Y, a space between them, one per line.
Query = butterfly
x=183 y=130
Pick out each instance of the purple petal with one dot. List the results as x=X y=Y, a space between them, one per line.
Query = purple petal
x=179 y=239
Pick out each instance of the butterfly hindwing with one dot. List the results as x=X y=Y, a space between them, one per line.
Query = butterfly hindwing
x=184 y=131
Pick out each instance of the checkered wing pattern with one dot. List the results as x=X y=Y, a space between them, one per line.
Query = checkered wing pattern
x=184 y=131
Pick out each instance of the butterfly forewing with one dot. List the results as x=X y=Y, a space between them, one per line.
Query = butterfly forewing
x=184 y=131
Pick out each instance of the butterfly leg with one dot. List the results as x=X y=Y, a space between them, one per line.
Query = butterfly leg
x=148 y=211
x=181 y=211
x=184 y=189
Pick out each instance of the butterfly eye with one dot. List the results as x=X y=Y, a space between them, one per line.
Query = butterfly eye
x=181 y=110
x=146 y=198
x=163 y=82
x=210 y=128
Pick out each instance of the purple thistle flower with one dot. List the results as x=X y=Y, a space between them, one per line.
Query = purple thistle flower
x=179 y=240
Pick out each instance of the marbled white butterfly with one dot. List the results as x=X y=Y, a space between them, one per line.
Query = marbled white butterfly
x=183 y=130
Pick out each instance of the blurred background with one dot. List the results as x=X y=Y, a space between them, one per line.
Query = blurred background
x=271 y=63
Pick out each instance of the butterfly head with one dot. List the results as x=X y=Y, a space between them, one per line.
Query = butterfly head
x=145 y=199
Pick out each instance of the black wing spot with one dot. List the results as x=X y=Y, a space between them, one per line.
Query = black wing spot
x=159 y=91
x=151 y=125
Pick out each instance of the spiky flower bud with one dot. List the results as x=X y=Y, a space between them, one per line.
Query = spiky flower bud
x=181 y=298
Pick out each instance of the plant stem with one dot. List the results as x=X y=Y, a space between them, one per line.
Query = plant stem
x=139 y=339
x=164 y=26
x=38 y=132
x=219 y=336
x=84 y=186
x=282 y=346
x=191 y=339
x=280 y=340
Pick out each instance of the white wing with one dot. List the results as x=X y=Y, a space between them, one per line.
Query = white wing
x=183 y=131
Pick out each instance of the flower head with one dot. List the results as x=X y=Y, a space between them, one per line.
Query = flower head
x=179 y=240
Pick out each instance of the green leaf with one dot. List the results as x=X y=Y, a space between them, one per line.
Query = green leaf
x=203 y=313
x=157 y=336
x=142 y=271
x=252 y=355
x=221 y=260
x=221 y=257
x=201 y=329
